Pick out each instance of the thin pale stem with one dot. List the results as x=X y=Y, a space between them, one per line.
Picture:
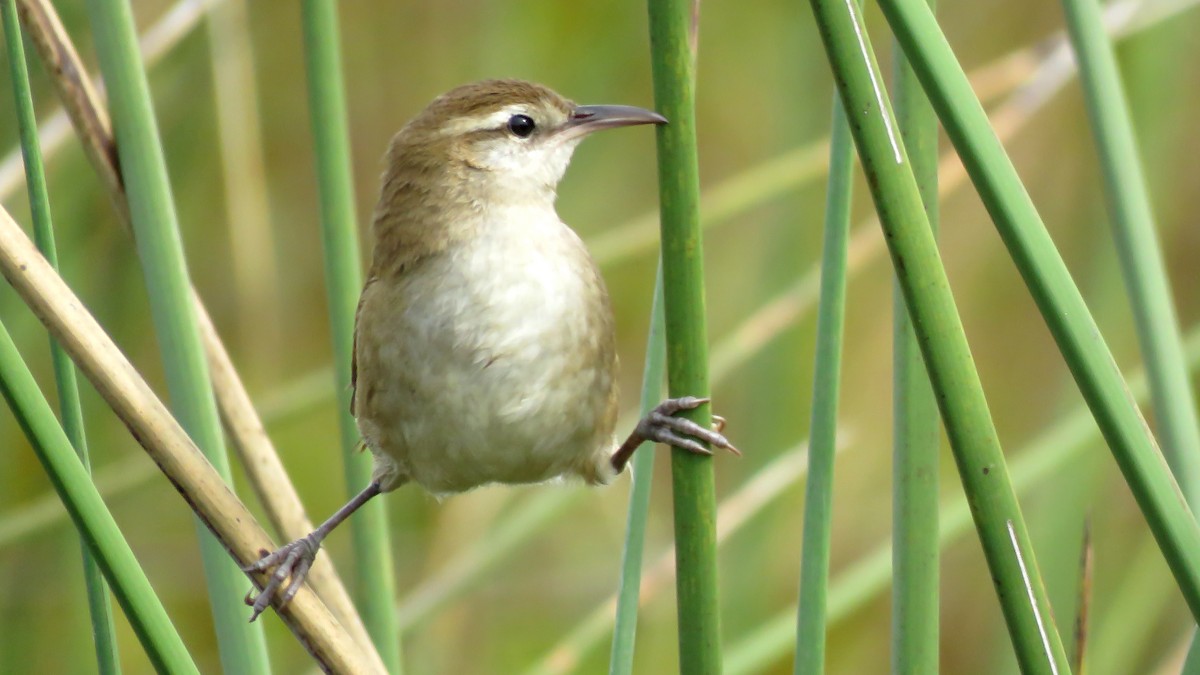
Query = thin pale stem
x=831 y=320
x=916 y=431
x=626 y=612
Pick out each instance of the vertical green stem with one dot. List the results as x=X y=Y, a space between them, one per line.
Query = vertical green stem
x=99 y=607
x=343 y=278
x=156 y=231
x=91 y=517
x=1138 y=249
x=687 y=350
x=915 y=421
x=939 y=331
x=1052 y=288
x=831 y=318
x=1040 y=462
x=625 y=626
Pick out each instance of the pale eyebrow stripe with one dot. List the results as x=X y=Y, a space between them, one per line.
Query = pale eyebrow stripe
x=492 y=120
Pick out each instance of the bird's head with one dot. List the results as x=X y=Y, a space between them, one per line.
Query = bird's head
x=500 y=140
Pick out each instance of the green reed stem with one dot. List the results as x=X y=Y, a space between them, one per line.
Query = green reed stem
x=91 y=516
x=831 y=320
x=156 y=231
x=943 y=343
x=375 y=579
x=642 y=468
x=1138 y=248
x=99 y=607
x=673 y=61
x=915 y=428
x=1062 y=306
x=1054 y=450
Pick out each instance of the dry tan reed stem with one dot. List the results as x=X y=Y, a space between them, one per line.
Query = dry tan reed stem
x=267 y=476
x=165 y=441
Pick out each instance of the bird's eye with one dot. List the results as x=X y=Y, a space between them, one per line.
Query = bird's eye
x=521 y=126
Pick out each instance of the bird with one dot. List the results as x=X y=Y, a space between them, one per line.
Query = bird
x=484 y=339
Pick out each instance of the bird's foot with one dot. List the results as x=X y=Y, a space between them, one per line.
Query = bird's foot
x=661 y=426
x=292 y=560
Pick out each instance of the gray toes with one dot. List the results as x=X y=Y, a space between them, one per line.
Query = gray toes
x=673 y=405
x=684 y=426
x=666 y=435
x=289 y=562
x=661 y=426
x=297 y=578
x=266 y=561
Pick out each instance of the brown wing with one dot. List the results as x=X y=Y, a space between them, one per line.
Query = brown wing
x=354 y=346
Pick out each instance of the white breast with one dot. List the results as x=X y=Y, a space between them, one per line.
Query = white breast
x=490 y=370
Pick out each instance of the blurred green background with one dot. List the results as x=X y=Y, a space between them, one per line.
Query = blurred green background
x=763 y=90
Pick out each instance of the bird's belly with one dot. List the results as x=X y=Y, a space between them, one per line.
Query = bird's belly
x=507 y=424
x=501 y=371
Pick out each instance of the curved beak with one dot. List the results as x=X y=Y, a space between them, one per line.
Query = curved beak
x=585 y=119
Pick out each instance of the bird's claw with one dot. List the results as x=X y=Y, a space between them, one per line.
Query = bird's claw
x=292 y=560
x=661 y=426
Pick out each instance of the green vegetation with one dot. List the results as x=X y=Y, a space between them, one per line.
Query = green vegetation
x=530 y=579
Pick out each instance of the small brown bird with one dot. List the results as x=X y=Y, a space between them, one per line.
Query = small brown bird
x=484 y=347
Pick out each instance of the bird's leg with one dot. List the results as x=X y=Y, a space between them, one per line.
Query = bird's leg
x=294 y=559
x=660 y=426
